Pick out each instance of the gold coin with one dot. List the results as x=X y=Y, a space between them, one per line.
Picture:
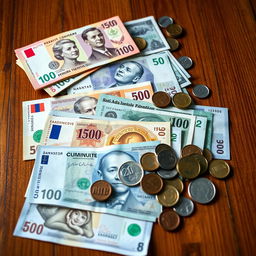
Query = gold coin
x=149 y=162
x=174 y=30
x=188 y=167
x=177 y=183
x=140 y=42
x=169 y=196
x=207 y=154
x=219 y=169
x=202 y=161
x=181 y=100
x=191 y=149
x=173 y=43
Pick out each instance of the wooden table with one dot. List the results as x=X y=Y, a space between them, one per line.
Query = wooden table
x=220 y=38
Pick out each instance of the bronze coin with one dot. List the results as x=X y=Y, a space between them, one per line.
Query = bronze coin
x=202 y=161
x=207 y=154
x=174 y=30
x=173 y=43
x=140 y=42
x=169 y=220
x=149 y=162
x=181 y=100
x=191 y=149
x=177 y=183
x=219 y=169
x=161 y=147
x=169 y=196
x=152 y=183
x=161 y=99
x=101 y=190
x=188 y=167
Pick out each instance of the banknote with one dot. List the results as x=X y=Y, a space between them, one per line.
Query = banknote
x=120 y=108
x=155 y=68
x=35 y=112
x=67 y=54
x=220 y=138
x=85 y=229
x=76 y=132
x=63 y=175
x=148 y=29
x=176 y=140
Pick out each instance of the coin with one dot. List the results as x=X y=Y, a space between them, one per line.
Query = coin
x=174 y=30
x=140 y=42
x=200 y=91
x=202 y=161
x=202 y=190
x=191 y=149
x=152 y=183
x=101 y=190
x=164 y=21
x=188 y=167
x=161 y=99
x=162 y=146
x=169 y=196
x=177 y=183
x=149 y=162
x=219 y=169
x=130 y=173
x=207 y=154
x=167 y=159
x=169 y=220
x=167 y=174
x=185 y=207
x=185 y=62
x=181 y=100
x=173 y=43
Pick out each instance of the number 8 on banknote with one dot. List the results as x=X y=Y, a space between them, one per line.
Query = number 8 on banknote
x=67 y=54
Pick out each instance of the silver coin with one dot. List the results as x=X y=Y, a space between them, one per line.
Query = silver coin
x=167 y=159
x=201 y=91
x=202 y=190
x=165 y=21
x=130 y=173
x=167 y=174
x=184 y=207
x=185 y=62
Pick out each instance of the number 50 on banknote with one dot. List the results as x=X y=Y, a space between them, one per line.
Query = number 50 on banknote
x=75 y=51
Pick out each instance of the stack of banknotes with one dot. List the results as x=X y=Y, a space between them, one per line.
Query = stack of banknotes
x=104 y=118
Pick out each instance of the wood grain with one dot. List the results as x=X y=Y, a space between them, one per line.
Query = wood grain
x=220 y=38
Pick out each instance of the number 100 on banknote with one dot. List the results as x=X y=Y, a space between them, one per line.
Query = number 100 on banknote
x=67 y=54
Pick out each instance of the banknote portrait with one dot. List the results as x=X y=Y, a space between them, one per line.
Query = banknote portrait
x=86 y=105
x=99 y=51
x=73 y=221
x=67 y=50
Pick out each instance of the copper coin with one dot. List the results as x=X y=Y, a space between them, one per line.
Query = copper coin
x=219 y=169
x=181 y=100
x=173 y=43
x=207 y=154
x=152 y=183
x=191 y=149
x=161 y=99
x=149 y=162
x=174 y=30
x=161 y=147
x=140 y=42
x=169 y=220
x=101 y=190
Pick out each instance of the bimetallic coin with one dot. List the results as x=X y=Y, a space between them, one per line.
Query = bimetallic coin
x=188 y=167
x=149 y=162
x=185 y=62
x=152 y=183
x=181 y=100
x=161 y=99
x=174 y=30
x=169 y=220
x=161 y=147
x=169 y=196
x=130 y=173
x=202 y=161
x=185 y=207
x=173 y=43
x=165 y=21
x=177 y=183
x=219 y=169
x=101 y=190
x=191 y=149
x=207 y=154
x=167 y=174
x=167 y=159
x=200 y=91
x=140 y=42
x=202 y=190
